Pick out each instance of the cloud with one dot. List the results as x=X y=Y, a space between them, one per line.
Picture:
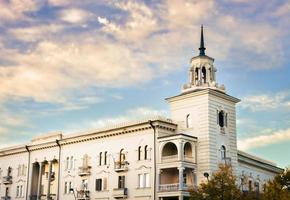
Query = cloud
x=133 y=114
x=74 y=15
x=266 y=102
x=17 y=9
x=264 y=140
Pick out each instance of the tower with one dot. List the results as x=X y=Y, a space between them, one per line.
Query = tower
x=204 y=110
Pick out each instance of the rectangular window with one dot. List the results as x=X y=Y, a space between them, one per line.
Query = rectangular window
x=147 y=180
x=141 y=180
x=21 y=191
x=121 y=182
x=65 y=188
x=70 y=187
x=105 y=183
x=99 y=184
x=17 y=191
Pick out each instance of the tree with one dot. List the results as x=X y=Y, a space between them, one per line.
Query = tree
x=278 y=188
x=221 y=186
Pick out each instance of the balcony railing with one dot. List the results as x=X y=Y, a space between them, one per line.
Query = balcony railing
x=174 y=187
x=171 y=158
x=84 y=170
x=7 y=180
x=189 y=159
x=120 y=193
x=6 y=198
x=83 y=195
x=169 y=187
x=227 y=161
x=121 y=166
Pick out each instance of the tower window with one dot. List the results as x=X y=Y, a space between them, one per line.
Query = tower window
x=100 y=159
x=203 y=72
x=188 y=121
x=105 y=158
x=223 y=152
x=221 y=118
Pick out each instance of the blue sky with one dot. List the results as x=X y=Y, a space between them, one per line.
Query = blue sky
x=76 y=65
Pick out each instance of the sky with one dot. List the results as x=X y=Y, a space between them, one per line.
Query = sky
x=73 y=66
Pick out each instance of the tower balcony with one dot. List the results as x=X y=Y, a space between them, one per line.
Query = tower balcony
x=120 y=193
x=84 y=171
x=175 y=187
x=121 y=166
x=7 y=180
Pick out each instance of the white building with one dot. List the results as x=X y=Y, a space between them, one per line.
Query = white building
x=157 y=158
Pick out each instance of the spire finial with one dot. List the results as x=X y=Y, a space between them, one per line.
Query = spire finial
x=201 y=48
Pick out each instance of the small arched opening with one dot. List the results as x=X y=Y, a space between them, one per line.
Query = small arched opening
x=223 y=152
x=169 y=150
x=203 y=75
x=187 y=150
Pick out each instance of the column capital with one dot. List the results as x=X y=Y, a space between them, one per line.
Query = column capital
x=181 y=168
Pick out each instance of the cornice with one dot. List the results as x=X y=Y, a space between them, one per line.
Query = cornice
x=120 y=129
x=200 y=92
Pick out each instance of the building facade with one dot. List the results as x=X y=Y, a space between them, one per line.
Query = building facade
x=156 y=158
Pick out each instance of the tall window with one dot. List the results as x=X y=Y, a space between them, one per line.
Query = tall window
x=105 y=158
x=70 y=187
x=67 y=163
x=99 y=184
x=122 y=156
x=223 y=152
x=139 y=153
x=146 y=152
x=100 y=158
x=188 y=121
x=250 y=185
x=203 y=71
x=121 y=182
x=221 y=118
x=143 y=180
x=65 y=188
x=71 y=162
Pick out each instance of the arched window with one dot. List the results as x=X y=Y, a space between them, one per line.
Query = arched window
x=105 y=158
x=223 y=152
x=139 y=153
x=145 y=152
x=221 y=118
x=122 y=156
x=196 y=75
x=100 y=159
x=71 y=162
x=67 y=163
x=188 y=121
x=203 y=72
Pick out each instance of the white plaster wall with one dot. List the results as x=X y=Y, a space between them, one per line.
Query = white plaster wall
x=13 y=161
x=113 y=145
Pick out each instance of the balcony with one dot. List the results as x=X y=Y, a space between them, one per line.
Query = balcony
x=6 y=198
x=174 y=187
x=7 y=180
x=83 y=195
x=227 y=161
x=172 y=158
x=121 y=166
x=85 y=171
x=120 y=193
x=169 y=187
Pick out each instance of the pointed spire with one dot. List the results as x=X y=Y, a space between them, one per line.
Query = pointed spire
x=201 y=48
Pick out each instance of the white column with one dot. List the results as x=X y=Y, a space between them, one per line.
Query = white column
x=49 y=180
x=158 y=172
x=180 y=151
x=39 y=181
x=194 y=181
x=180 y=197
x=180 y=170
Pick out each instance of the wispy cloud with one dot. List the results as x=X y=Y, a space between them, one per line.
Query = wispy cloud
x=267 y=102
x=130 y=115
x=74 y=15
x=264 y=140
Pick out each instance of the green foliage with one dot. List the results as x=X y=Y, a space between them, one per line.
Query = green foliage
x=279 y=188
x=222 y=186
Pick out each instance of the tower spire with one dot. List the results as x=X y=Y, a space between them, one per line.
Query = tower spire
x=201 y=48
